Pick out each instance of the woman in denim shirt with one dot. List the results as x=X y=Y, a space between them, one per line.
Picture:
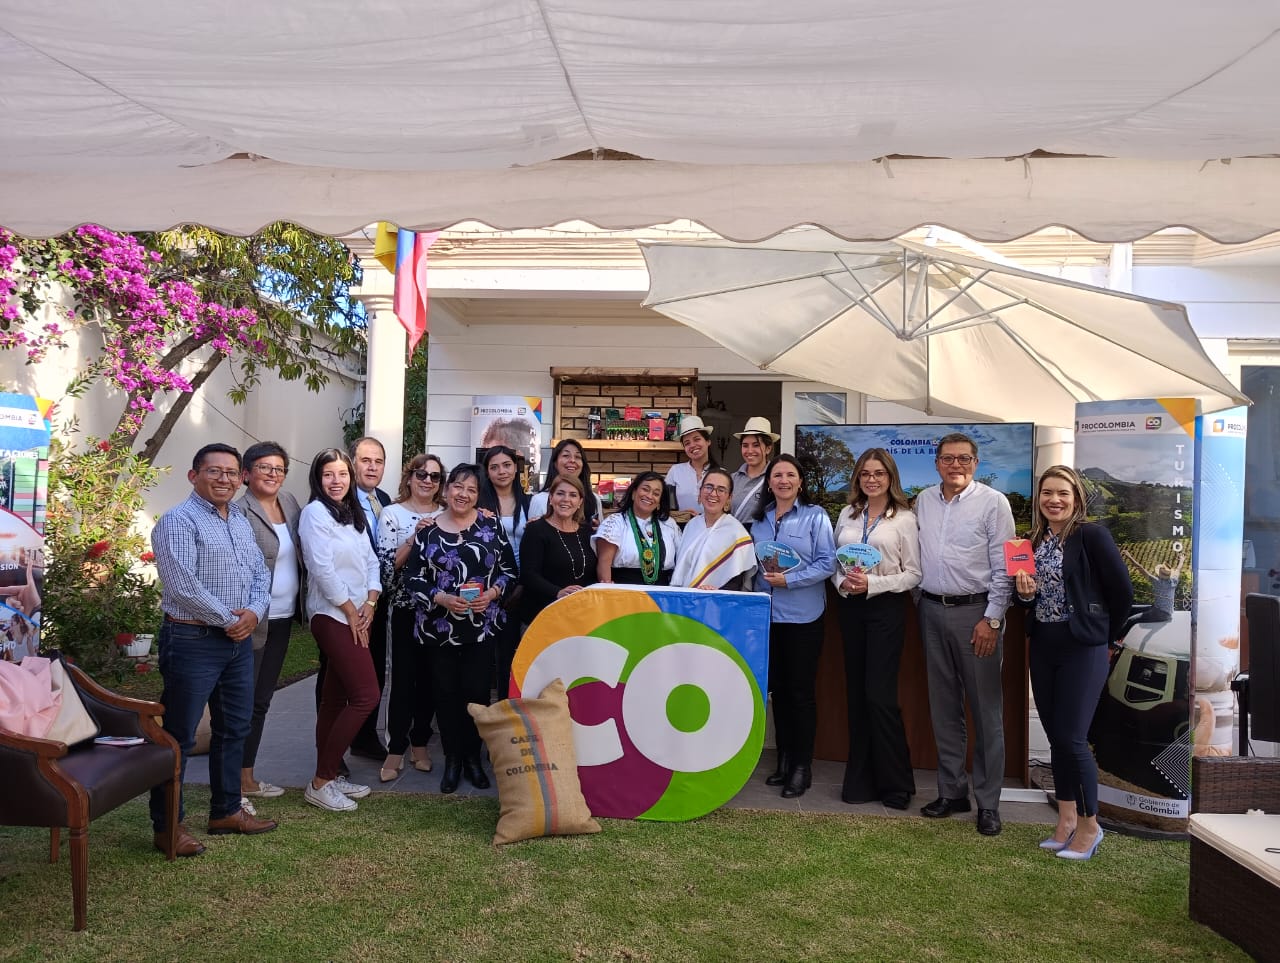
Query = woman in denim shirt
x=799 y=598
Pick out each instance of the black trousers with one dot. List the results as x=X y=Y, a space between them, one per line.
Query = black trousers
x=506 y=642
x=460 y=674
x=1067 y=680
x=411 y=705
x=873 y=630
x=267 y=663
x=794 y=648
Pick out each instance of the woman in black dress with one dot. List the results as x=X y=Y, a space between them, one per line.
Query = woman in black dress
x=558 y=558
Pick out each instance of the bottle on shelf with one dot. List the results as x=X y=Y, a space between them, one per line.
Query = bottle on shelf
x=593 y=423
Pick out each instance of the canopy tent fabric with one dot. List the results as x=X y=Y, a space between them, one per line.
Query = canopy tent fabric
x=763 y=115
x=943 y=333
x=990 y=200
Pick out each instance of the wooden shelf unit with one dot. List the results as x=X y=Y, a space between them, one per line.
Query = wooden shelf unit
x=578 y=390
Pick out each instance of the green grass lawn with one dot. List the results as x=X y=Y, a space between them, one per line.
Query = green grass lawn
x=416 y=878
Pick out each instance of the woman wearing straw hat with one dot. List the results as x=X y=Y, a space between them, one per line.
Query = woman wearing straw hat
x=686 y=477
x=757 y=439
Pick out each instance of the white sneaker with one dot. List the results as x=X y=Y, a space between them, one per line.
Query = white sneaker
x=328 y=797
x=352 y=790
x=247 y=806
x=265 y=790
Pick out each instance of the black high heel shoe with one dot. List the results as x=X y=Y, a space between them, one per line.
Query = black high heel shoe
x=800 y=779
x=475 y=774
x=452 y=774
x=780 y=774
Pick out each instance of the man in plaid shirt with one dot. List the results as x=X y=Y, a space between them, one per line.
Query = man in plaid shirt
x=216 y=588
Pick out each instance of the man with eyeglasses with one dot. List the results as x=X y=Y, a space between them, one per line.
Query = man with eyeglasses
x=963 y=596
x=215 y=591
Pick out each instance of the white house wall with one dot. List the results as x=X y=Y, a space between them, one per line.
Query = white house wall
x=285 y=412
x=516 y=359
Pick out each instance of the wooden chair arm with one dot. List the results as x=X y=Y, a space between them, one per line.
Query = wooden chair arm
x=45 y=748
x=143 y=707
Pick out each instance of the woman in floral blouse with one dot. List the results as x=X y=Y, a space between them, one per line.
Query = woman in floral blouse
x=1078 y=599
x=458 y=573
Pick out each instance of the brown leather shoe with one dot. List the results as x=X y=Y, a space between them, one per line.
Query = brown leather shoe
x=240 y=822
x=187 y=845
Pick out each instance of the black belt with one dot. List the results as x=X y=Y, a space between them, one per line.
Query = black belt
x=950 y=600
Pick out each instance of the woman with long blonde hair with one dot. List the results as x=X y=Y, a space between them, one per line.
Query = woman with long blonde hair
x=873 y=622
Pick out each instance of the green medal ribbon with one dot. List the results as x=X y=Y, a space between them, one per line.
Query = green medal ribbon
x=650 y=551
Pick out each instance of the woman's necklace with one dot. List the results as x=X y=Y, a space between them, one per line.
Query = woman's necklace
x=577 y=566
x=650 y=550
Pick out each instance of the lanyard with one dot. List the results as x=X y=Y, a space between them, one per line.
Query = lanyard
x=866 y=533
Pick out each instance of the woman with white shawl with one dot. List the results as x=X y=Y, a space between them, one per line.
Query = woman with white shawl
x=716 y=552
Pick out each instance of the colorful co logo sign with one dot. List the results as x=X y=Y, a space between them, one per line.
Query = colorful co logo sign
x=668 y=713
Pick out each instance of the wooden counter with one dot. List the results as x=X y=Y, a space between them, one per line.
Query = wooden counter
x=913 y=696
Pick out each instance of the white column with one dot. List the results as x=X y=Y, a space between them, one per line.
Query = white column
x=384 y=382
x=1120 y=268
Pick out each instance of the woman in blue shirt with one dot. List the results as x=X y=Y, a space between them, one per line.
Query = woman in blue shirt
x=799 y=597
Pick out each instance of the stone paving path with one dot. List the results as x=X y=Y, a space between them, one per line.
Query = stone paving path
x=287 y=758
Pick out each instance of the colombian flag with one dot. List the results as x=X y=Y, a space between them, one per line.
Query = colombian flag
x=410 y=301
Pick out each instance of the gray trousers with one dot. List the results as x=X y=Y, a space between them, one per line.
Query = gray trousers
x=954 y=672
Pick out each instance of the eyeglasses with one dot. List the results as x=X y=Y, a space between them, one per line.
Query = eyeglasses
x=221 y=474
x=715 y=489
x=964 y=461
x=873 y=475
x=423 y=475
x=271 y=470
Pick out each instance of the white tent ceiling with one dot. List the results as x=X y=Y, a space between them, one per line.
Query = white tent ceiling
x=758 y=114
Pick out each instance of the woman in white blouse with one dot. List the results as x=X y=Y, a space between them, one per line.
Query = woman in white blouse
x=685 y=477
x=637 y=544
x=343 y=585
x=410 y=706
x=872 y=613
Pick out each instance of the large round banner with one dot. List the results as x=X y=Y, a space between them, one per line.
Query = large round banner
x=666 y=691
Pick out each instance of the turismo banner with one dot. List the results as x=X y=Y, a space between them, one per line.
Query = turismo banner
x=666 y=690
x=1137 y=461
x=24 y=478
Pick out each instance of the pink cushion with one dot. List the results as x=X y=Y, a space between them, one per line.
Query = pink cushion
x=28 y=705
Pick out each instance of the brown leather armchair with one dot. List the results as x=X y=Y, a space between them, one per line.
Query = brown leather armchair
x=47 y=784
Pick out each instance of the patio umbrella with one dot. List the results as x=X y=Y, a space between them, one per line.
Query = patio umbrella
x=945 y=334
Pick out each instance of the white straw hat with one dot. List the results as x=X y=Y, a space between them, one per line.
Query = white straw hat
x=758 y=426
x=693 y=423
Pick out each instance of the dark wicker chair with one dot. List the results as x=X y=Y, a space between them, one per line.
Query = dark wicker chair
x=47 y=784
x=1225 y=896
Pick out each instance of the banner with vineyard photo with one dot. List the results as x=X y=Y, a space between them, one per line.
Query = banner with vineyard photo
x=1137 y=461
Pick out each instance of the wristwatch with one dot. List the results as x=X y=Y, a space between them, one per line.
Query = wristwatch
x=995 y=623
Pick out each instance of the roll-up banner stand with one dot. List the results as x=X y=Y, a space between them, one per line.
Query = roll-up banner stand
x=1169 y=484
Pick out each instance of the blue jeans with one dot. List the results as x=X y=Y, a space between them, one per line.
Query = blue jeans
x=200 y=666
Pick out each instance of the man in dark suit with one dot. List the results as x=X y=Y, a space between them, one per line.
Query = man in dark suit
x=370 y=460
